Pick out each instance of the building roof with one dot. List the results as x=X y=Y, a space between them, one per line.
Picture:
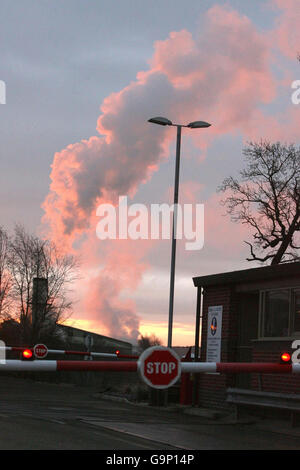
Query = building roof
x=254 y=274
x=84 y=333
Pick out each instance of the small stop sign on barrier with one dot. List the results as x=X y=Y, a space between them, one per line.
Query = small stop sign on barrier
x=159 y=367
x=40 y=351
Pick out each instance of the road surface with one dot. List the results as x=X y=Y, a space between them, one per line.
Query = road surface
x=38 y=415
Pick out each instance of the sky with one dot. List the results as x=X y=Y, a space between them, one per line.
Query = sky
x=82 y=79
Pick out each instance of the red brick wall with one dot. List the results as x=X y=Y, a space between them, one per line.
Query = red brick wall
x=212 y=387
x=286 y=383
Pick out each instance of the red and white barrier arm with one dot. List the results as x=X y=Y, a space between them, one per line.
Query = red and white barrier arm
x=48 y=366
x=240 y=367
x=81 y=353
x=94 y=354
x=131 y=366
x=12 y=348
x=76 y=353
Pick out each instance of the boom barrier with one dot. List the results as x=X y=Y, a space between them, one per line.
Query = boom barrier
x=74 y=353
x=159 y=367
x=48 y=366
x=132 y=366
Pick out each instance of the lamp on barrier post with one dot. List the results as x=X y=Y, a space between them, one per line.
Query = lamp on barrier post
x=27 y=355
x=285 y=358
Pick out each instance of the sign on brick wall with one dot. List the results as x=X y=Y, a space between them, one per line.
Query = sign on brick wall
x=214 y=333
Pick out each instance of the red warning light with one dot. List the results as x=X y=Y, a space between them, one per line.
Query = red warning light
x=27 y=354
x=117 y=352
x=285 y=357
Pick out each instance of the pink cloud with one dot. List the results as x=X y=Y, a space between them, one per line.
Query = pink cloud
x=222 y=76
x=286 y=35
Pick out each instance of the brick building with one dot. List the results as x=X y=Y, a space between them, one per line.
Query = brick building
x=257 y=315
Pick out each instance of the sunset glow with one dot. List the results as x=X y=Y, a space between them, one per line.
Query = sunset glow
x=184 y=335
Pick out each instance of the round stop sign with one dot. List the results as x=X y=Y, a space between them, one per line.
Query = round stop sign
x=40 y=351
x=159 y=367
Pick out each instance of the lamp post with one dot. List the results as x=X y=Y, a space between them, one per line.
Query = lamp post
x=192 y=125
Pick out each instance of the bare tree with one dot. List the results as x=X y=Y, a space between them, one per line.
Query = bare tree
x=267 y=199
x=145 y=342
x=5 y=277
x=31 y=258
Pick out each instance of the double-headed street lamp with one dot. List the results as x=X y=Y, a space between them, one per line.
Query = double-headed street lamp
x=192 y=125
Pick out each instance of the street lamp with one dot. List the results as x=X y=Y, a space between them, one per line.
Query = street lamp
x=192 y=125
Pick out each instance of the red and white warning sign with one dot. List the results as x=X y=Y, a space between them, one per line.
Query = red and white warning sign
x=159 y=367
x=40 y=351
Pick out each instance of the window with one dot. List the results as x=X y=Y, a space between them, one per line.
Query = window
x=297 y=311
x=276 y=318
x=279 y=313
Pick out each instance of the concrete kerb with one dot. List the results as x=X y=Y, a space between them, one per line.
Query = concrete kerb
x=184 y=409
x=221 y=417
